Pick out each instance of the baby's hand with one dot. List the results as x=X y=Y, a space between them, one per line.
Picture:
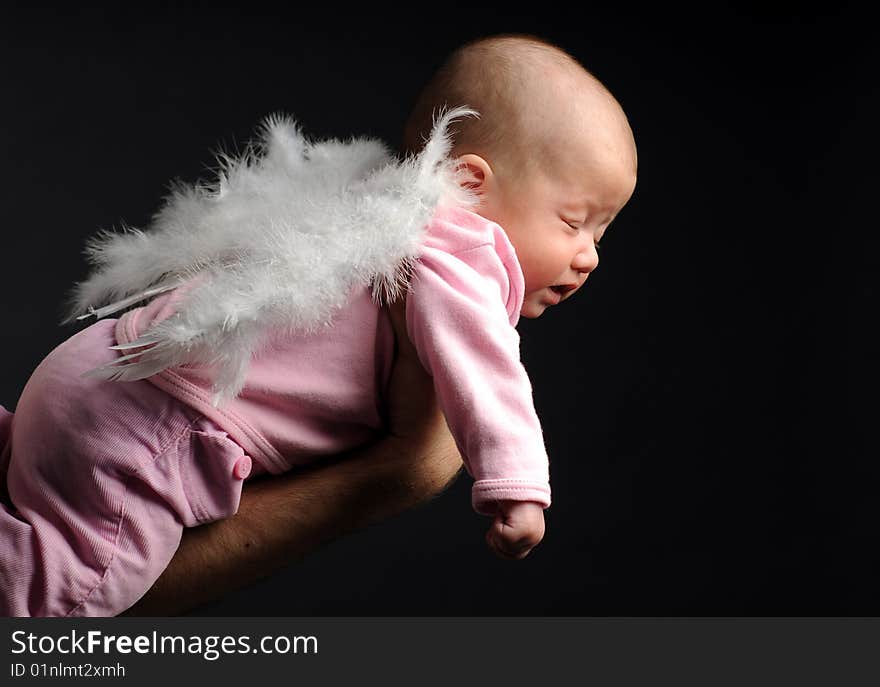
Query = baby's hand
x=516 y=529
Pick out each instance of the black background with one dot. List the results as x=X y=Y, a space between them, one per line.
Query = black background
x=707 y=402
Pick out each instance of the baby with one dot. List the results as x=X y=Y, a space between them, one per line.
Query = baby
x=104 y=475
x=553 y=161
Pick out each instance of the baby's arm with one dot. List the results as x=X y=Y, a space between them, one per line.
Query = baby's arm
x=457 y=319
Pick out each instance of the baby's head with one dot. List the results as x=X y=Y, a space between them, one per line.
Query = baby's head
x=551 y=157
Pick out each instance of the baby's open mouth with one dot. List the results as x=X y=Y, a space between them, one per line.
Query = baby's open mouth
x=563 y=289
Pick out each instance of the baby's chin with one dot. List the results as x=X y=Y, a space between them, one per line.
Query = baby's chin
x=532 y=311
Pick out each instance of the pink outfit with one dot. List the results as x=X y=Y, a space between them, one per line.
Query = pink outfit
x=102 y=479
x=104 y=475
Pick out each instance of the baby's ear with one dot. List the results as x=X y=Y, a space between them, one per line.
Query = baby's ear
x=475 y=173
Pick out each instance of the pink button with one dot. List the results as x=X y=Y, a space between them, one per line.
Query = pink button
x=242 y=467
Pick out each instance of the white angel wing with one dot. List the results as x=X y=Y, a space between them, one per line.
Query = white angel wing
x=281 y=240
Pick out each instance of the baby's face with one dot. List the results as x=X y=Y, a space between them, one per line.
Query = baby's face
x=556 y=217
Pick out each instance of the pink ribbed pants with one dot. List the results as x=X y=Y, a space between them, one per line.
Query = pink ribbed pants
x=101 y=478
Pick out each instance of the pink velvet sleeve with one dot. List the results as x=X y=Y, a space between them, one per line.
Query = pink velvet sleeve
x=457 y=320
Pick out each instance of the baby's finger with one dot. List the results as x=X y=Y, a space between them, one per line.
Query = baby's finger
x=494 y=548
x=502 y=548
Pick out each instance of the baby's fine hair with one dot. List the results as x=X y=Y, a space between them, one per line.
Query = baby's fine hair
x=496 y=77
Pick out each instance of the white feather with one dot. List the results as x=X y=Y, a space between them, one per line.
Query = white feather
x=282 y=239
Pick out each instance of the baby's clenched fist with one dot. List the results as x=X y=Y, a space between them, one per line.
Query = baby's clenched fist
x=517 y=528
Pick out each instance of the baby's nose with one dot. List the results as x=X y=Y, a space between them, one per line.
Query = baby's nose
x=586 y=260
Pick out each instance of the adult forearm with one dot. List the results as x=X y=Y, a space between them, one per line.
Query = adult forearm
x=281 y=519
